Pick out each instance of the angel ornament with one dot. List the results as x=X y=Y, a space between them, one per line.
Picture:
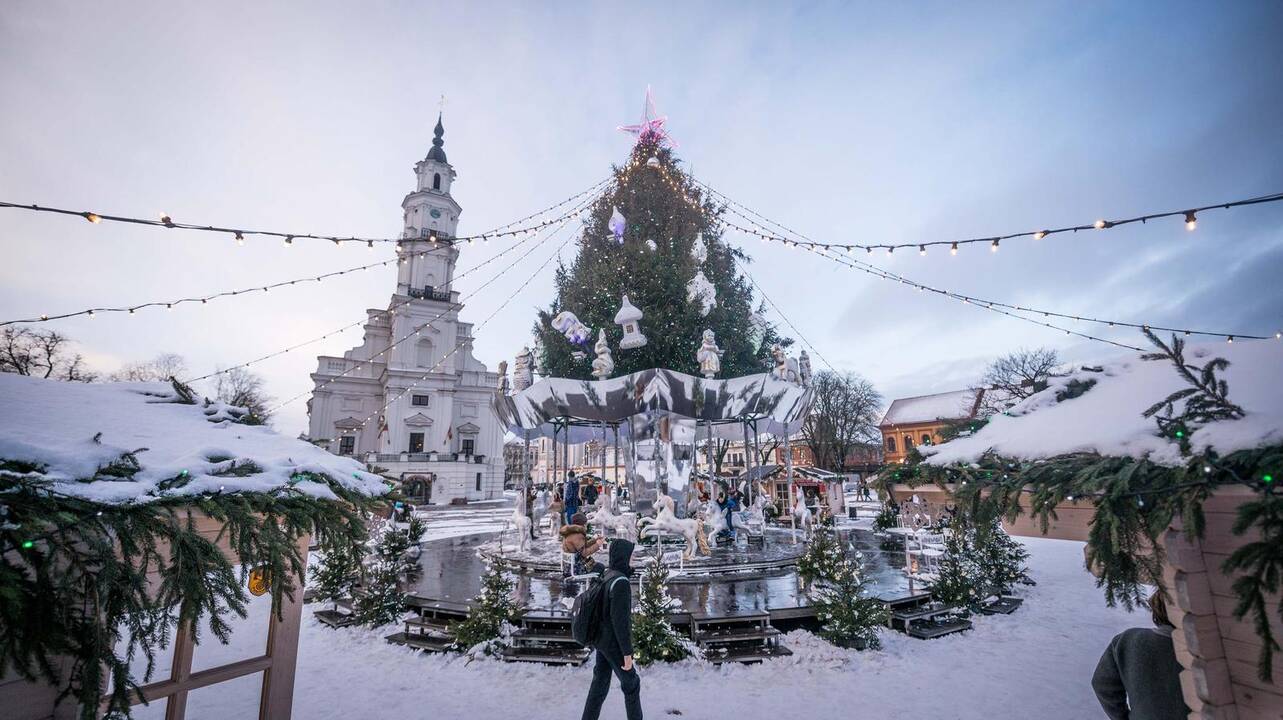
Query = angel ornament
x=709 y=356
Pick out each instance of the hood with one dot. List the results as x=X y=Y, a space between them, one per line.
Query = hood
x=568 y=530
x=621 y=551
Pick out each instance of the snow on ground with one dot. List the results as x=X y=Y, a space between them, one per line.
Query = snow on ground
x=73 y=429
x=1107 y=418
x=462 y=520
x=1034 y=663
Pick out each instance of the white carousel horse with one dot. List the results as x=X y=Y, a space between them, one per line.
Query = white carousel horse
x=521 y=524
x=690 y=528
x=625 y=526
x=802 y=514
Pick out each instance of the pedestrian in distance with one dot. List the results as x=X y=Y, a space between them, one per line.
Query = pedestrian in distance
x=614 y=644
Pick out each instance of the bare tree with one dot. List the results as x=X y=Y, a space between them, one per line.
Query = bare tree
x=162 y=367
x=1014 y=377
x=41 y=354
x=844 y=416
x=243 y=388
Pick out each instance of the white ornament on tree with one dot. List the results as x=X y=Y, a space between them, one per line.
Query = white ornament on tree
x=709 y=356
x=756 y=330
x=604 y=365
x=699 y=251
x=700 y=290
x=567 y=324
x=629 y=318
x=523 y=370
x=617 y=225
x=651 y=244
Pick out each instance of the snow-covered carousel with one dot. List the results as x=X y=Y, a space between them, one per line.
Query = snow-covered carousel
x=659 y=422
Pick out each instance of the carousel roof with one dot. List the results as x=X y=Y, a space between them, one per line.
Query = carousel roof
x=777 y=406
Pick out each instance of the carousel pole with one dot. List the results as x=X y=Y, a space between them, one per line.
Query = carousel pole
x=748 y=464
x=553 y=481
x=603 y=455
x=788 y=473
x=565 y=451
x=616 y=478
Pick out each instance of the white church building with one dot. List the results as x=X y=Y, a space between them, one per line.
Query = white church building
x=438 y=433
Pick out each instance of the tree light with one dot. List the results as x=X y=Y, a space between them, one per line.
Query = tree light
x=1191 y=222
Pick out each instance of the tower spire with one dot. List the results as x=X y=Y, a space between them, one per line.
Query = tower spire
x=437 y=153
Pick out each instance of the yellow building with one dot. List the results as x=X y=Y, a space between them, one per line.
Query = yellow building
x=914 y=421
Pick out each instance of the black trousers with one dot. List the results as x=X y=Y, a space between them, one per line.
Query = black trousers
x=628 y=682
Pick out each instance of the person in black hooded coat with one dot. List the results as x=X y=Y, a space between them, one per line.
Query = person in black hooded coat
x=615 y=641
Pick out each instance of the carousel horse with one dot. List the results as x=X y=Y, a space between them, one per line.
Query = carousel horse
x=802 y=514
x=624 y=525
x=690 y=528
x=522 y=525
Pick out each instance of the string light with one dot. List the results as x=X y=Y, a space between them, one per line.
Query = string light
x=584 y=205
x=240 y=239
x=1191 y=222
x=998 y=307
x=953 y=249
x=166 y=221
x=993 y=247
x=767 y=234
x=289 y=240
x=922 y=250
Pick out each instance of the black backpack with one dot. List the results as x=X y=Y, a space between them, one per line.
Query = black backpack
x=589 y=610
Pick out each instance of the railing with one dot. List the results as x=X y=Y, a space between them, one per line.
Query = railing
x=425 y=457
x=429 y=293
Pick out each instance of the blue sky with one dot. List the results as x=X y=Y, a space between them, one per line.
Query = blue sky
x=850 y=123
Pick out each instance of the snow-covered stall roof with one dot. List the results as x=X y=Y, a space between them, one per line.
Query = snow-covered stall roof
x=955 y=405
x=778 y=406
x=1107 y=418
x=72 y=430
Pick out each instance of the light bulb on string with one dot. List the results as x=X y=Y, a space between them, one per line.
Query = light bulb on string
x=166 y=220
x=1191 y=222
x=1040 y=234
x=953 y=249
x=240 y=239
x=92 y=217
x=922 y=250
x=288 y=241
x=369 y=244
x=993 y=246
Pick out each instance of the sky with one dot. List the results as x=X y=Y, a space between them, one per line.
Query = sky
x=848 y=122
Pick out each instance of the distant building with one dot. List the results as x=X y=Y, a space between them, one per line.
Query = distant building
x=914 y=421
x=411 y=399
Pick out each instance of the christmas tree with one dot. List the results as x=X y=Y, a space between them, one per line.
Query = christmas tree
x=382 y=600
x=822 y=558
x=1003 y=559
x=338 y=572
x=653 y=636
x=669 y=259
x=491 y=610
x=848 y=616
x=961 y=580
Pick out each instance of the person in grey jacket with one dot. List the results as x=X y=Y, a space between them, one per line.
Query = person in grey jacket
x=1138 y=677
x=615 y=642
